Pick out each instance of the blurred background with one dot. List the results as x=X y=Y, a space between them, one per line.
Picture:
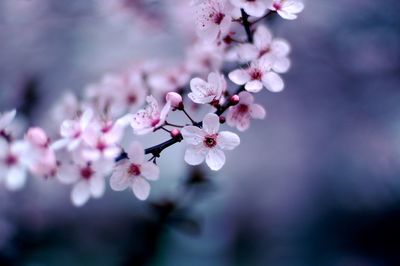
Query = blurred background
x=316 y=183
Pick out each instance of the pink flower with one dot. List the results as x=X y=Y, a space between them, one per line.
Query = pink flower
x=146 y=120
x=72 y=131
x=6 y=118
x=255 y=8
x=213 y=19
x=88 y=180
x=134 y=172
x=257 y=76
x=207 y=91
x=39 y=157
x=167 y=79
x=174 y=98
x=12 y=167
x=239 y=115
x=204 y=57
x=265 y=45
x=207 y=143
x=287 y=9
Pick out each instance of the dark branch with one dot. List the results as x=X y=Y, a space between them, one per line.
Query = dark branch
x=246 y=25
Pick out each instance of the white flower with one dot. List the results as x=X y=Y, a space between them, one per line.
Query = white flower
x=255 y=8
x=239 y=115
x=146 y=120
x=12 y=166
x=213 y=19
x=134 y=172
x=207 y=143
x=204 y=57
x=88 y=180
x=257 y=75
x=207 y=91
x=72 y=131
x=287 y=9
x=6 y=118
x=265 y=45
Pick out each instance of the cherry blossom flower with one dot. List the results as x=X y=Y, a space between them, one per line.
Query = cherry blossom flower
x=255 y=8
x=265 y=45
x=207 y=143
x=39 y=157
x=134 y=172
x=167 y=79
x=148 y=119
x=87 y=179
x=72 y=131
x=6 y=118
x=207 y=91
x=239 y=115
x=213 y=19
x=287 y=9
x=175 y=99
x=13 y=170
x=257 y=76
x=204 y=57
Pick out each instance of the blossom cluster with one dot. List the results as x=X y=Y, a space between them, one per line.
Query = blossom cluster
x=87 y=148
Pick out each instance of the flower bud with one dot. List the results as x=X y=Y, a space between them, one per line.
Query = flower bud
x=222 y=119
x=175 y=99
x=37 y=136
x=234 y=100
x=175 y=133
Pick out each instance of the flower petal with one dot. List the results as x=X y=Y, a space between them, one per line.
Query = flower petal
x=227 y=140
x=141 y=188
x=136 y=152
x=15 y=179
x=253 y=86
x=150 y=171
x=195 y=155
x=215 y=159
x=257 y=111
x=192 y=135
x=97 y=186
x=239 y=76
x=273 y=82
x=211 y=123
x=119 y=179
x=80 y=193
x=6 y=118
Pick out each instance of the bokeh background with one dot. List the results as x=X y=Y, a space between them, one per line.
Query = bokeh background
x=316 y=183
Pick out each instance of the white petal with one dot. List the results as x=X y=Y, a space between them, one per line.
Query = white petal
x=227 y=140
x=246 y=98
x=80 y=193
x=141 y=188
x=257 y=111
x=15 y=179
x=293 y=6
x=253 y=86
x=97 y=186
x=6 y=118
x=215 y=159
x=120 y=179
x=195 y=155
x=280 y=47
x=247 y=52
x=287 y=15
x=193 y=135
x=262 y=37
x=136 y=152
x=273 y=82
x=239 y=76
x=281 y=65
x=3 y=147
x=86 y=118
x=211 y=123
x=67 y=173
x=150 y=171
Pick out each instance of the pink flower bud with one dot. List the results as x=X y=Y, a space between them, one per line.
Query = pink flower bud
x=175 y=133
x=175 y=99
x=222 y=119
x=234 y=100
x=37 y=137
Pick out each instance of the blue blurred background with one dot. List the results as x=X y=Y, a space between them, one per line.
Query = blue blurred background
x=316 y=183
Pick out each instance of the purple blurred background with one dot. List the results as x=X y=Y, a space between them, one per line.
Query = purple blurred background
x=316 y=183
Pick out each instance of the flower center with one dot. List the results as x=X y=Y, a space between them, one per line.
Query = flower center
x=264 y=51
x=131 y=99
x=134 y=169
x=87 y=172
x=101 y=145
x=256 y=74
x=242 y=108
x=210 y=140
x=277 y=6
x=154 y=122
x=218 y=17
x=11 y=160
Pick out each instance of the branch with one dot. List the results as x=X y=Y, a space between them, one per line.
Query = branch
x=246 y=25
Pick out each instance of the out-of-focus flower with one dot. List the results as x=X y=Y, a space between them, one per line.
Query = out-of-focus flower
x=146 y=120
x=73 y=131
x=167 y=79
x=287 y=9
x=6 y=118
x=66 y=108
x=257 y=75
x=207 y=91
x=87 y=177
x=213 y=19
x=134 y=172
x=204 y=57
x=255 y=8
x=239 y=115
x=12 y=168
x=265 y=45
x=207 y=143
